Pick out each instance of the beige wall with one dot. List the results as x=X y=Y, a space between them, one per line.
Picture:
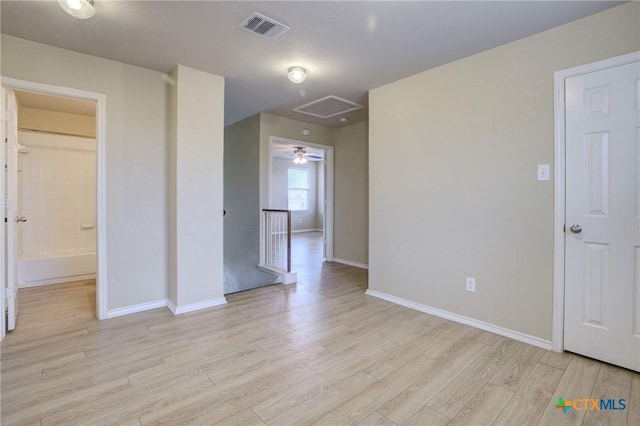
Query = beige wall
x=352 y=193
x=139 y=171
x=273 y=125
x=453 y=190
x=136 y=150
x=56 y=122
x=195 y=202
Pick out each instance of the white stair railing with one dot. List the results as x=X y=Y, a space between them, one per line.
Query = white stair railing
x=275 y=250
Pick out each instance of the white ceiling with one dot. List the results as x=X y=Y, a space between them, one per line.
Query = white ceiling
x=348 y=47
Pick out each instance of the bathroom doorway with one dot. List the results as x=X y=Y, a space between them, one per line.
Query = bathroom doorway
x=56 y=209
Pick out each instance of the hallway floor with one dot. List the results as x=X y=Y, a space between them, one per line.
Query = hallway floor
x=306 y=251
x=318 y=352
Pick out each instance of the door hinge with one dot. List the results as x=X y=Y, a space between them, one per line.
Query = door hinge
x=564 y=228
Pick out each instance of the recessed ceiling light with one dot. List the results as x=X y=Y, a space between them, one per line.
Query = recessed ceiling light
x=297 y=74
x=81 y=9
x=343 y=119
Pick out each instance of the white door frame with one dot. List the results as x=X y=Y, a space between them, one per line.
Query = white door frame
x=328 y=190
x=559 y=77
x=101 y=175
x=3 y=241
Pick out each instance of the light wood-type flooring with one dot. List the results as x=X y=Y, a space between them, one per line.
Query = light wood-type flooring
x=319 y=352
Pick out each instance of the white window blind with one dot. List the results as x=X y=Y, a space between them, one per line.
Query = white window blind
x=298 y=189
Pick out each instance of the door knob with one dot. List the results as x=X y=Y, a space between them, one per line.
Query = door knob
x=576 y=229
x=21 y=219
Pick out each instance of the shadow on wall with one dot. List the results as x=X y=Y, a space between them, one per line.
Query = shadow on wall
x=242 y=202
x=238 y=275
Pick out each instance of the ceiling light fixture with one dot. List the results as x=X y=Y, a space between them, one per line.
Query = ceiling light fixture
x=81 y=9
x=297 y=74
x=299 y=153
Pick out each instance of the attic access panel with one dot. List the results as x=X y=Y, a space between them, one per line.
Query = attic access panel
x=327 y=107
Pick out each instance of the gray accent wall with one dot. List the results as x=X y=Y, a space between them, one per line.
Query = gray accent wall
x=242 y=202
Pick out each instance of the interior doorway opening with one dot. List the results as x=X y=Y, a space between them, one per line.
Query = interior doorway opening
x=304 y=186
x=54 y=233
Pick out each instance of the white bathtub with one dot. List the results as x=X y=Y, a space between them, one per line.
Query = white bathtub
x=52 y=267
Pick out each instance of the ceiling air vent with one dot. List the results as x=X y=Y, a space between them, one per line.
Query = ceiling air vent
x=263 y=27
x=327 y=107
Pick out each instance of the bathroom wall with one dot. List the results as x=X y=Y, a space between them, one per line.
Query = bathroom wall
x=56 y=192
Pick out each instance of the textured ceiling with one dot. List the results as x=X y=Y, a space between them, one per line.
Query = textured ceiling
x=348 y=47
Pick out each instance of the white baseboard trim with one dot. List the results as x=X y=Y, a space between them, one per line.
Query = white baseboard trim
x=350 y=263
x=305 y=230
x=512 y=334
x=22 y=284
x=276 y=272
x=177 y=310
x=134 y=309
x=281 y=275
x=289 y=278
x=164 y=303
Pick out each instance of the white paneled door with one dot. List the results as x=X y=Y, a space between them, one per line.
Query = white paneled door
x=11 y=129
x=602 y=270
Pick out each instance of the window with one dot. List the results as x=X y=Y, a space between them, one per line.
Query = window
x=298 y=189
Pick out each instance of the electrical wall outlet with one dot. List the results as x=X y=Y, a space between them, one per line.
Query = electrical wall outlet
x=471 y=285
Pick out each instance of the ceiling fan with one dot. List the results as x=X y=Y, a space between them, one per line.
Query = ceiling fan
x=301 y=156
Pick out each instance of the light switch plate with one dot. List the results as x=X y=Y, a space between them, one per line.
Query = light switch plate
x=471 y=285
x=544 y=172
